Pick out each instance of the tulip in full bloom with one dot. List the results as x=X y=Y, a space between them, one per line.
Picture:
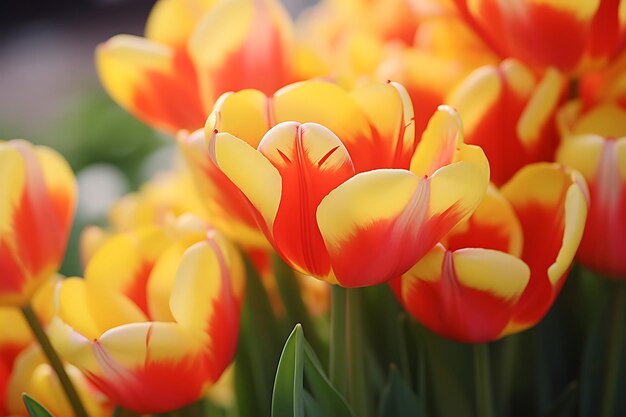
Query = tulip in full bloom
x=351 y=200
x=594 y=142
x=509 y=112
x=37 y=201
x=376 y=140
x=572 y=36
x=166 y=310
x=193 y=51
x=500 y=271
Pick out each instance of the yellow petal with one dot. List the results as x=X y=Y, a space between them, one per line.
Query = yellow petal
x=498 y=273
x=324 y=103
x=172 y=21
x=390 y=112
x=135 y=254
x=122 y=62
x=92 y=309
x=232 y=109
x=250 y=171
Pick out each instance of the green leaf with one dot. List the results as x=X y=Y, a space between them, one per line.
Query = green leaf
x=288 y=398
x=398 y=400
x=34 y=408
x=301 y=387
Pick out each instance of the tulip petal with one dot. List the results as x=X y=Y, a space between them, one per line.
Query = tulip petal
x=232 y=108
x=209 y=308
x=242 y=44
x=250 y=172
x=12 y=183
x=312 y=161
x=154 y=82
x=172 y=21
x=464 y=295
x=137 y=363
x=390 y=112
x=135 y=254
x=90 y=309
x=35 y=216
x=333 y=107
x=493 y=225
x=551 y=203
x=389 y=206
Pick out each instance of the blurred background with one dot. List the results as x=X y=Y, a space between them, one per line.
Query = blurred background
x=50 y=95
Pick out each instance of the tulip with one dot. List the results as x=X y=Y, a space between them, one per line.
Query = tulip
x=37 y=201
x=570 y=36
x=500 y=271
x=594 y=142
x=509 y=112
x=382 y=140
x=166 y=310
x=31 y=374
x=347 y=201
x=192 y=52
x=15 y=339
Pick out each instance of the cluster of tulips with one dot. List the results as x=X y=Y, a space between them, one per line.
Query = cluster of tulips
x=457 y=155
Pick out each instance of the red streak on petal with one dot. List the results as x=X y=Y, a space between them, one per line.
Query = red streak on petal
x=13 y=277
x=261 y=62
x=222 y=198
x=223 y=325
x=385 y=249
x=136 y=289
x=171 y=101
x=305 y=183
x=157 y=387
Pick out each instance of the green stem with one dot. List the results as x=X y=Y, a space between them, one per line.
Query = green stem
x=337 y=359
x=615 y=346
x=347 y=359
x=482 y=378
x=55 y=362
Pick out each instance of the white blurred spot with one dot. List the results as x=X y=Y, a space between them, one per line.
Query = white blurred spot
x=99 y=186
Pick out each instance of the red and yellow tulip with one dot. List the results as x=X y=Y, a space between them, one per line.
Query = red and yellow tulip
x=32 y=374
x=510 y=113
x=572 y=36
x=192 y=52
x=500 y=271
x=594 y=142
x=167 y=309
x=340 y=191
x=37 y=202
x=23 y=368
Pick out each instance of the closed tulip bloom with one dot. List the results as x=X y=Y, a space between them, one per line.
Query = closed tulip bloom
x=573 y=36
x=167 y=310
x=37 y=202
x=192 y=52
x=509 y=112
x=594 y=142
x=500 y=271
x=350 y=202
